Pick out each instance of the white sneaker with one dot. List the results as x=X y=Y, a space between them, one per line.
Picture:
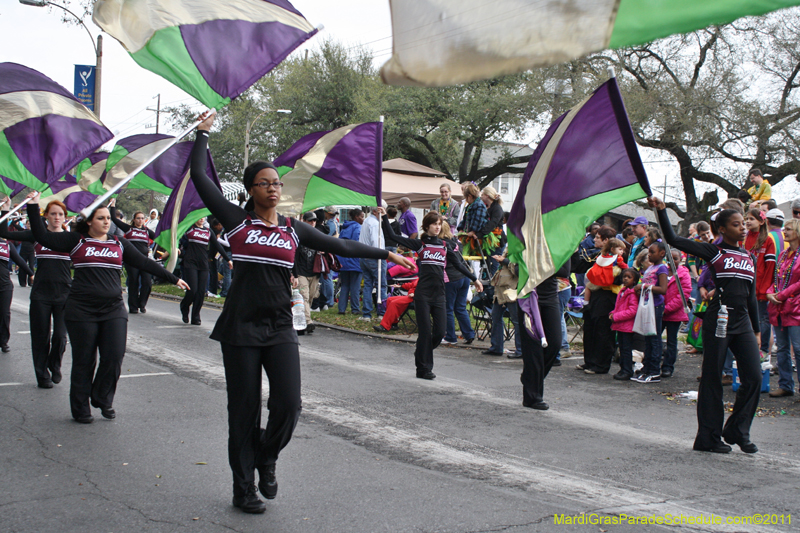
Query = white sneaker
x=211 y=295
x=315 y=310
x=447 y=342
x=325 y=307
x=365 y=318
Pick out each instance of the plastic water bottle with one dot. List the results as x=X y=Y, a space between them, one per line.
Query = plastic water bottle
x=722 y=322
x=298 y=311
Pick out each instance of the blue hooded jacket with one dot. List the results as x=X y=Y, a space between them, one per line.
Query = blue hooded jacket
x=350 y=230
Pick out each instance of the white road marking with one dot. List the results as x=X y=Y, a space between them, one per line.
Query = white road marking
x=22 y=332
x=184 y=326
x=447 y=452
x=147 y=375
x=10 y=384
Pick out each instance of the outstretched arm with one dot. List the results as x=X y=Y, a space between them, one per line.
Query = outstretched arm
x=346 y=248
x=703 y=250
x=390 y=235
x=133 y=257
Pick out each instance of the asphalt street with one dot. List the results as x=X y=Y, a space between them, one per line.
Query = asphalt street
x=377 y=449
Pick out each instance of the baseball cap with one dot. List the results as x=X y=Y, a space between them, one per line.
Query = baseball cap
x=332 y=210
x=776 y=214
x=638 y=221
x=309 y=215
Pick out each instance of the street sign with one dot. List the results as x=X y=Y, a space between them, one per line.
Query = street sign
x=84 y=85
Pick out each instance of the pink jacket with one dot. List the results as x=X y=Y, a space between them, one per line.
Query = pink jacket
x=789 y=310
x=625 y=310
x=673 y=306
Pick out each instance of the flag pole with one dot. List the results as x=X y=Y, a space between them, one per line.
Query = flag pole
x=20 y=206
x=672 y=265
x=380 y=237
x=88 y=210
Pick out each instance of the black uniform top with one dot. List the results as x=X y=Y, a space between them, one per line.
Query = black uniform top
x=257 y=310
x=733 y=273
x=53 y=274
x=96 y=293
x=139 y=237
x=432 y=257
x=26 y=248
x=453 y=273
x=8 y=250
x=196 y=245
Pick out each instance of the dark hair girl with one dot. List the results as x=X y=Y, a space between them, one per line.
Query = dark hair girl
x=94 y=312
x=429 y=299
x=733 y=272
x=48 y=295
x=140 y=236
x=255 y=328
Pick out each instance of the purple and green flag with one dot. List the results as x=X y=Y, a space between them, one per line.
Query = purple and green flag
x=10 y=187
x=68 y=191
x=447 y=42
x=184 y=208
x=162 y=175
x=586 y=164
x=212 y=49
x=44 y=129
x=339 y=167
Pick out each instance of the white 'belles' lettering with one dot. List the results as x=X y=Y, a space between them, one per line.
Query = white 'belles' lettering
x=731 y=263
x=436 y=256
x=254 y=237
x=91 y=251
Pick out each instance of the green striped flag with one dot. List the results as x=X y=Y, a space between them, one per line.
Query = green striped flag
x=445 y=42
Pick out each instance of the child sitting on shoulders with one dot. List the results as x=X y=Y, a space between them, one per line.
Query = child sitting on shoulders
x=622 y=317
x=674 y=312
x=607 y=267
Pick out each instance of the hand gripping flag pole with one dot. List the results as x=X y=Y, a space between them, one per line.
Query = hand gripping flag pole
x=88 y=210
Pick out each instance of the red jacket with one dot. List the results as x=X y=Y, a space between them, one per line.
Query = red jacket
x=673 y=306
x=765 y=263
x=789 y=310
x=625 y=310
x=411 y=287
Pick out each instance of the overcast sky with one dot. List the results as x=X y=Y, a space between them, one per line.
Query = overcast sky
x=36 y=37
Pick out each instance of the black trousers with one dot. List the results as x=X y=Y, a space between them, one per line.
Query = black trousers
x=598 y=339
x=213 y=278
x=196 y=294
x=431 y=324
x=48 y=350
x=5 y=316
x=87 y=339
x=250 y=446
x=29 y=258
x=710 y=409
x=537 y=361
x=139 y=285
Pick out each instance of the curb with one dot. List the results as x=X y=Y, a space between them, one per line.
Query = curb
x=174 y=298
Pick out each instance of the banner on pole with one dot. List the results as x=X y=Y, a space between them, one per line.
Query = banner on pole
x=84 y=85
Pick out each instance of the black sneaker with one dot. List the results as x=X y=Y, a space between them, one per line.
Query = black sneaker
x=250 y=502
x=557 y=362
x=56 y=375
x=267 y=483
x=380 y=329
x=132 y=311
x=622 y=376
x=426 y=375
x=666 y=373
x=647 y=378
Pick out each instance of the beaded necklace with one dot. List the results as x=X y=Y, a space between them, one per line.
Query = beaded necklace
x=787 y=274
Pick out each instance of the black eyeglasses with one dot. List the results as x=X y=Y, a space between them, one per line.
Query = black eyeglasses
x=268 y=184
x=795 y=213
